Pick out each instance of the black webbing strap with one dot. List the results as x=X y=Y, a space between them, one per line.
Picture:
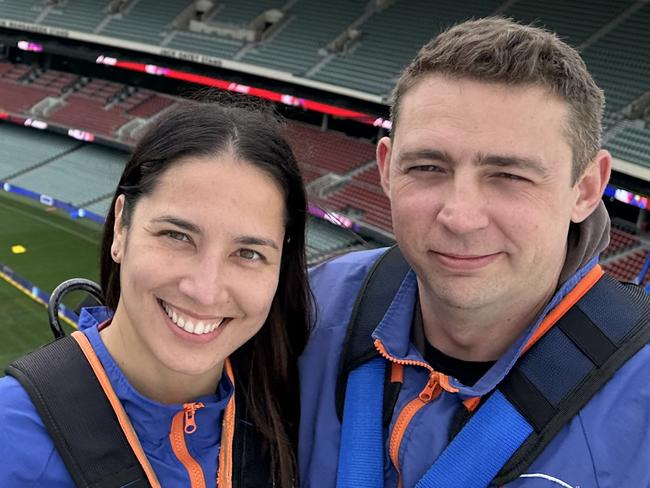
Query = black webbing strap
x=78 y=416
x=373 y=300
x=251 y=457
x=569 y=364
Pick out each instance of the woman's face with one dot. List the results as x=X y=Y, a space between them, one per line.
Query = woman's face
x=200 y=261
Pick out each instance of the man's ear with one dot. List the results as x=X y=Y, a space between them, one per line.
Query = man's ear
x=591 y=185
x=119 y=231
x=383 y=162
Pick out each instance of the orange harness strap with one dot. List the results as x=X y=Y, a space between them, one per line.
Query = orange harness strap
x=122 y=417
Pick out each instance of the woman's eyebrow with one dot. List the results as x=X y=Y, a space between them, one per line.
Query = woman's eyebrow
x=256 y=241
x=178 y=222
x=195 y=229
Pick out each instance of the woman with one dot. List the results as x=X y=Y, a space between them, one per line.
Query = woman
x=202 y=260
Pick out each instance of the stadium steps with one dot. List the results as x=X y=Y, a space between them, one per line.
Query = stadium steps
x=578 y=22
x=314 y=23
x=613 y=24
x=88 y=203
x=362 y=169
x=370 y=9
x=77 y=15
x=326 y=240
x=20 y=10
x=389 y=39
x=101 y=207
x=44 y=162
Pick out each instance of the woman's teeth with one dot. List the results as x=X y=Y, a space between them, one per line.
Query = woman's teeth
x=198 y=328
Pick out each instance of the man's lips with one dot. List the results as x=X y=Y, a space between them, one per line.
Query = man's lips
x=464 y=261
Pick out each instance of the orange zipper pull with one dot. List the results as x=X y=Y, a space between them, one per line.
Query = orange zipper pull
x=432 y=388
x=190 y=424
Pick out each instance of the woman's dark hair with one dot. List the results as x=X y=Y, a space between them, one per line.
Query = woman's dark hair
x=268 y=360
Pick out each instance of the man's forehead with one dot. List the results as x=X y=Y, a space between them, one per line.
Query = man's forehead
x=437 y=88
x=442 y=101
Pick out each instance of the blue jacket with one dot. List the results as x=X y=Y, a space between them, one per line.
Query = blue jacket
x=606 y=445
x=28 y=457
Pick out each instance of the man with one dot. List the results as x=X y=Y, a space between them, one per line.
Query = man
x=495 y=175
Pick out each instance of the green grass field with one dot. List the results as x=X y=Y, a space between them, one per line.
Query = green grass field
x=58 y=248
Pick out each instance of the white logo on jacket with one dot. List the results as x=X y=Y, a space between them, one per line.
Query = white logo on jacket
x=550 y=478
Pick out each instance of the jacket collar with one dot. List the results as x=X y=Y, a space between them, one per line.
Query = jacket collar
x=93 y=316
x=396 y=338
x=152 y=420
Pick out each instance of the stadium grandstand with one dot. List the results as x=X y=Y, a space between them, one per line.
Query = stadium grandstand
x=80 y=80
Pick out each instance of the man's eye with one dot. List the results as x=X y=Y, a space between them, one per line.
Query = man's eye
x=510 y=176
x=177 y=236
x=250 y=255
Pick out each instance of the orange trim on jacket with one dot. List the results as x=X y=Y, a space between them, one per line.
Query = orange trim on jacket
x=570 y=299
x=122 y=417
x=224 y=475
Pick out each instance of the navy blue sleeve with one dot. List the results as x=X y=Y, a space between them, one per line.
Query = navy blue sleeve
x=27 y=454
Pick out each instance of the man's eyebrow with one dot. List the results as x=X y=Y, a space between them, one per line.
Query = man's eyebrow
x=512 y=161
x=429 y=154
x=178 y=222
x=256 y=241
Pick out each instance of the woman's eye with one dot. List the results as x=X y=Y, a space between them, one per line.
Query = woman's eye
x=250 y=255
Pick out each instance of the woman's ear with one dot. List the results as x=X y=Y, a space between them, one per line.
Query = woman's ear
x=119 y=231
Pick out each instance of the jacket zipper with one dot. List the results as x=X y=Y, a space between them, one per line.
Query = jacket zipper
x=184 y=423
x=436 y=383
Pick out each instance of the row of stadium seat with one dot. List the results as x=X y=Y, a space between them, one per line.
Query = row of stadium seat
x=620 y=241
x=614 y=38
x=627 y=268
x=86 y=174
x=389 y=35
x=102 y=107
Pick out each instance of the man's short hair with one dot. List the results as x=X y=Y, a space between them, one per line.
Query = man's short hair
x=498 y=50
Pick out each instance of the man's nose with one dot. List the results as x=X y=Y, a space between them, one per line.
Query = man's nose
x=464 y=208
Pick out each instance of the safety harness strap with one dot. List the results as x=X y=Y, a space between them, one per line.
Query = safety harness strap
x=374 y=298
x=362 y=430
x=78 y=416
x=362 y=377
x=573 y=361
x=251 y=463
x=481 y=448
x=545 y=389
x=85 y=430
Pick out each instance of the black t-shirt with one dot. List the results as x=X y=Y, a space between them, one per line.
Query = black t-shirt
x=467 y=372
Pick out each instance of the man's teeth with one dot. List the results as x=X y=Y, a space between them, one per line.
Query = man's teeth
x=187 y=325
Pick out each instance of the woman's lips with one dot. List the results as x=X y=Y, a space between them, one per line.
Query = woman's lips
x=190 y=337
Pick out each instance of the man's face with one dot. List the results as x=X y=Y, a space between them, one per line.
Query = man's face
x=479 y=178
